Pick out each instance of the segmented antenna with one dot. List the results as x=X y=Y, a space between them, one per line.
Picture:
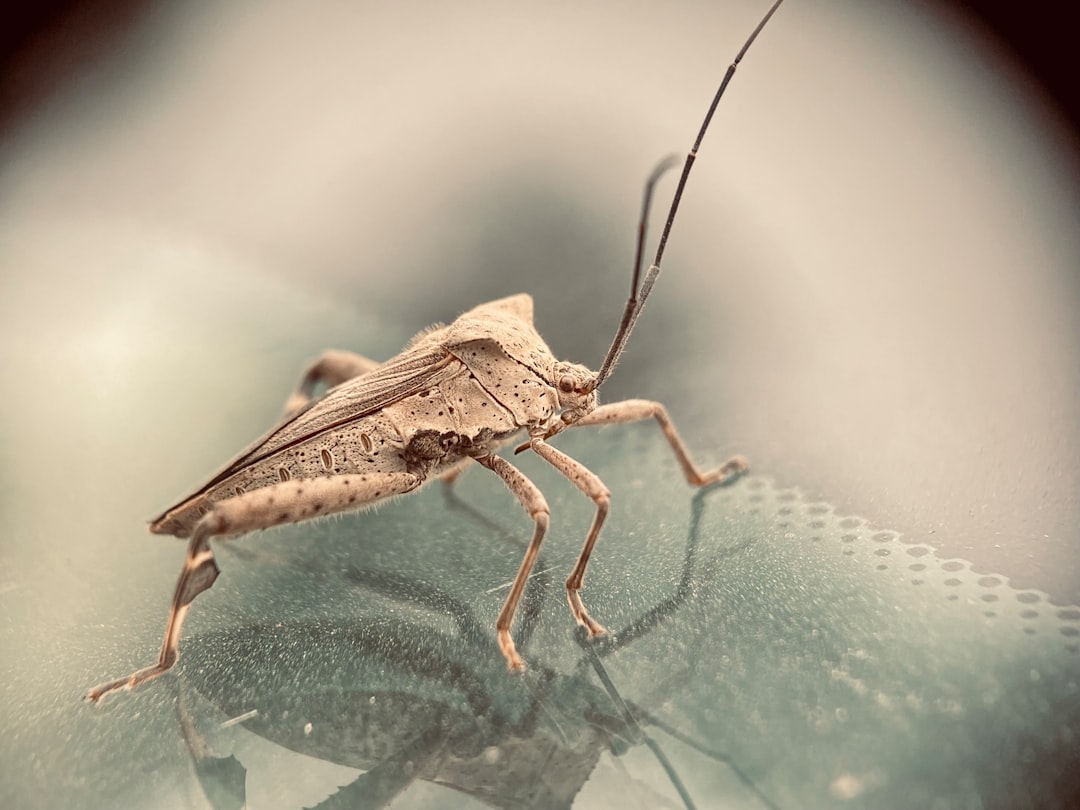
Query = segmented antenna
x=636 y=302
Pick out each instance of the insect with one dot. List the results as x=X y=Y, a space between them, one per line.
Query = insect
x=454 y=396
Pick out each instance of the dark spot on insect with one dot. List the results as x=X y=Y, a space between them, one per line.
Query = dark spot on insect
x=378 y=492
x=317 y=506
x=283 y=474
x=327 y=459
x=269 y=500
x=352 y=499
x=299 y=490
x=482 y=438
x=284 y=516
x=449 y=408
x=429 y=445
x=344 y=482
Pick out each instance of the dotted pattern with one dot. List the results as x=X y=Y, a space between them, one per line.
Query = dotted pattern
x=888 y=552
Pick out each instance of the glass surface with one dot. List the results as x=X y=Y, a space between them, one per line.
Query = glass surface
x=870 y=292
x=767 y=652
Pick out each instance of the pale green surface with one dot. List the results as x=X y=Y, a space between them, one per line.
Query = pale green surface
x=803 y=650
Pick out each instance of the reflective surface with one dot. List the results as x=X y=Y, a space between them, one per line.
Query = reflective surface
x=798 y=658
x=871 y=293
x=767 y=652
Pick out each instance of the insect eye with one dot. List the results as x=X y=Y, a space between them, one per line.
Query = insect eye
x=566 y=384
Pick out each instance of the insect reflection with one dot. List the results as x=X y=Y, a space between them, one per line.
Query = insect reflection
x=424 y=704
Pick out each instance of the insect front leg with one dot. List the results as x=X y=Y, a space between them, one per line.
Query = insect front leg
x=287 y=502
x=332 y=367
x=635 y=410
x=589 y=483
x=532 y=500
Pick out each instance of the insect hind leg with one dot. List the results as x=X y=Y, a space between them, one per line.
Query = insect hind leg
x=636 y=410
x=287 y=502
x=199 y=572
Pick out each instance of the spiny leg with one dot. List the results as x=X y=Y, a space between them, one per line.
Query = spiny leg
x=332 y=367
x=533 y=501
x=635 y=410
x=589 y=483
x=287 y=502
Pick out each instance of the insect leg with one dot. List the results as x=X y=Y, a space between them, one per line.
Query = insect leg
x=198 y=574
x=634 y=410
x=332 y=367
x=589 y=483
x=287 y=502
x=533 y=501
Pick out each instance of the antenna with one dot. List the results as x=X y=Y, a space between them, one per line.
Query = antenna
x=636 y=302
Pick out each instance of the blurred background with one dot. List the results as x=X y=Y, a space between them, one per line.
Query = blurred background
x=872 y=289
x=881 y=233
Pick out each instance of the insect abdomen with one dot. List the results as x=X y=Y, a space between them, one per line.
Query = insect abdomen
x=369 y=445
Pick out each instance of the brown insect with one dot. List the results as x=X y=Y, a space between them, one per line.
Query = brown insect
x=455 y=395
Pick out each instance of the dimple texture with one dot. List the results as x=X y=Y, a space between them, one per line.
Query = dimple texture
x=892 y=555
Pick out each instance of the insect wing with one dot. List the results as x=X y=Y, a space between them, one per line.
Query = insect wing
x=409 y=373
